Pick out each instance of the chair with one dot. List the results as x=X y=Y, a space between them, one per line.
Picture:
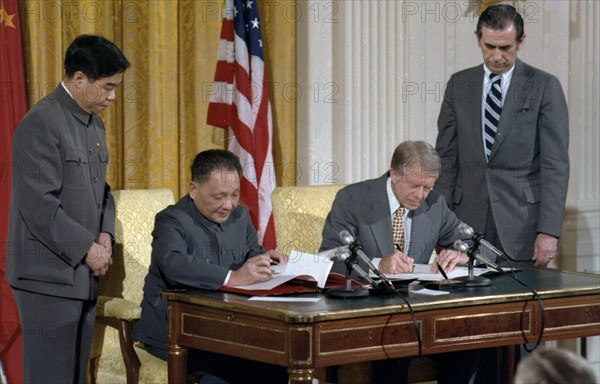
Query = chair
x=299 y=215
x=114 y=356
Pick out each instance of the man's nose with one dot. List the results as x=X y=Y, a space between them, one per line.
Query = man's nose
x=421 y=193
x=112 y=95
x=497 y=54
x=228 y=203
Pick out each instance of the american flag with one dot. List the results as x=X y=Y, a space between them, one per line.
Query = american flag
x=240 y=102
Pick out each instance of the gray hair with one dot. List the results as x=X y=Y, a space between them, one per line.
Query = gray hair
x=554 y=366
x=415 y=156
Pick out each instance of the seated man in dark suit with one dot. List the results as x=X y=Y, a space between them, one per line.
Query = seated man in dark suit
x=399 y=219
x=206 y=240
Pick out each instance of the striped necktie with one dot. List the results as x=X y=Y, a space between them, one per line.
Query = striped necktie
x=493 y=108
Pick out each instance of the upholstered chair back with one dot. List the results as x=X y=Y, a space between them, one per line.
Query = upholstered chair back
x=114 y=358
x=134 y=222
x=299 y=215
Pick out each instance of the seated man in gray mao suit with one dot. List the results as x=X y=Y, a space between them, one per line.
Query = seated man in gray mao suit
x=366 y=209
x=206 y=241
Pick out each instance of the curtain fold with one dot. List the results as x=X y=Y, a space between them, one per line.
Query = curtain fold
x=158 y=123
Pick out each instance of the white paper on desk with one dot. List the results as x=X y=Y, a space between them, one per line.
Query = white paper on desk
x=431 y=292
x=285 y=299
x=423 y=272
x=300 y=264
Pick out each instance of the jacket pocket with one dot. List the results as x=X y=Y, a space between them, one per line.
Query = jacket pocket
x=46 y=267
x=73 y=155
x=532 y=193
x=103 y=155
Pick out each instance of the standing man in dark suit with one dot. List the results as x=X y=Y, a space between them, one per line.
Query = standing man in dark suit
x=62 y=213
x=368 y=210
x=206 y=241
x=504 y=144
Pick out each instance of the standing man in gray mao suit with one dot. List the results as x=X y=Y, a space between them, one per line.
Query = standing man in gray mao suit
x=62 y=213
x=503 y=142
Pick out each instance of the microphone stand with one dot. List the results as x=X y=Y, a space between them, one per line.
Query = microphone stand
x=349 y=291
x=474 y=281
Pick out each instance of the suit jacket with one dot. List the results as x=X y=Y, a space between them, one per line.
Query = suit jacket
x=60 y=201
x=363 y=210
x=525 y=182
x=189 y=251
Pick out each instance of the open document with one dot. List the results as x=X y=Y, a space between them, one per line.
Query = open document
x=301 y=265
x=423 y=272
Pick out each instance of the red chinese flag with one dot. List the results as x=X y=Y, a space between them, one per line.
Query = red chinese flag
x=240 y=102
x=13 y=105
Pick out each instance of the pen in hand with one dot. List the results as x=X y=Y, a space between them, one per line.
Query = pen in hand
x=439 y=267
x=397 y=246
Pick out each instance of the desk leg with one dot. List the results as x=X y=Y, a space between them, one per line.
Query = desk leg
x=507 y=369
x=177 y=364
x=301 y=367
x=301 y=376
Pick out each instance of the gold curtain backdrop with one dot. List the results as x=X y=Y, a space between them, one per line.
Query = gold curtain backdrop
x=158 y=122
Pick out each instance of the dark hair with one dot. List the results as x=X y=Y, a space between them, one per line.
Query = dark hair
x=415 y=156
x=207 y=162
x=499 y=17
x=95 y=56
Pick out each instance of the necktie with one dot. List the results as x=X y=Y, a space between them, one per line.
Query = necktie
x=398 y=228
x=493 y=108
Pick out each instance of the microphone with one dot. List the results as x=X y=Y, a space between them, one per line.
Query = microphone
x=347 y=239
x=477 y=237
x=339 y=254
x=342 y=255
x=461 y=246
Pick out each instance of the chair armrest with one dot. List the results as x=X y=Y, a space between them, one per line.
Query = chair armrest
x=117 y=307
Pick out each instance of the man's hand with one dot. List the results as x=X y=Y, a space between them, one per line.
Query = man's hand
x=98 y=259
x=254 y=270
x=448 y=259
x=277 y=257
x=105 y=240
x=397 y=262
x=544 y=249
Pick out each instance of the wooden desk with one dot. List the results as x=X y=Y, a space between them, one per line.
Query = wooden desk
x=303 y=336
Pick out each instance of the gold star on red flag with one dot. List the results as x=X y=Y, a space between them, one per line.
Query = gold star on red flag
x=5 y=18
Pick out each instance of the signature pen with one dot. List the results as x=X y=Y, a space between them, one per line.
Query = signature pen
x=439 y=267
x=397 y=246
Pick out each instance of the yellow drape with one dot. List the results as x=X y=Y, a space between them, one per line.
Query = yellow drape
x=158 y=123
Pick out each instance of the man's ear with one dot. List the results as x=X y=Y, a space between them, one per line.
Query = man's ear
x=393 y=175
x=521 y=42
x=78 y=78
x=193 y=189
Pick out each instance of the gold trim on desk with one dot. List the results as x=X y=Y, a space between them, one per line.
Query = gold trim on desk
x=549 y=283
x=379 y=327
x=528 y=330
x=309 y=350
x=239 y=329
x=296 y=317
x=571 y=307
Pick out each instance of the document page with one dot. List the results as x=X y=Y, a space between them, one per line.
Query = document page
x=315 y=267
x=422 y=272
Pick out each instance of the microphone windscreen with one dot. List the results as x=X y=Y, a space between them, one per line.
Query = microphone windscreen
x=465 y=229
x=346 y=237
x=461 y=246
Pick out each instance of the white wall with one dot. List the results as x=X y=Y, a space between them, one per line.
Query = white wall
x=373 y=74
